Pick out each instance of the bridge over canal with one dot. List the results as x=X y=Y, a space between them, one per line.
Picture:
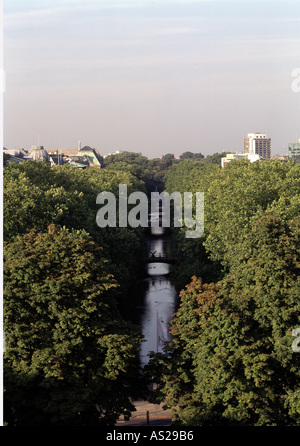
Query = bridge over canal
x=160 y=259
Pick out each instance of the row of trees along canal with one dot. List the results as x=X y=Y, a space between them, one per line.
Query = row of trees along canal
x=72 y=351
x=70 y=289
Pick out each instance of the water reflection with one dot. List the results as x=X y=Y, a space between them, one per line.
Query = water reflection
x=159 y=301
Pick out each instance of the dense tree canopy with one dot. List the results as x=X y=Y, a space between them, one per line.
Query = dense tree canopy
x=230 y=360
x=71 y=351
x=191 y=155
x=150 y=171
x=64 y=332
x=36 y=195
x=65 y=286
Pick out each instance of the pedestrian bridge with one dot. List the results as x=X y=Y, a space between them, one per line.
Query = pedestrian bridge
x=160 y=259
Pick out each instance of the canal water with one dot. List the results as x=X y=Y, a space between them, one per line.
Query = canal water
x=160 y=298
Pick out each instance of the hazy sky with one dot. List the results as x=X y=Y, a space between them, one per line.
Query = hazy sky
x=157 y=77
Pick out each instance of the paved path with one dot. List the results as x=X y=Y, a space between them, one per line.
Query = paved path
x=157 y=416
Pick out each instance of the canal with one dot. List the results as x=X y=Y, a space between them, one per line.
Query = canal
x=160 y=299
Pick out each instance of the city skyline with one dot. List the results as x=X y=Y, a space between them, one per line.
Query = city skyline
x=154 y=77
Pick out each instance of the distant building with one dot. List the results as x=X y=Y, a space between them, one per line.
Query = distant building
x=91 y=154
x=17 y=155
x=56 y=158
x=81 y=162
x=117 y=152
x=62 y=152
x=38 y=153
x=239 y=156
x=258 y=144
x=79 y=157
x=282 y=158
x=294 y=151
x=76 y=157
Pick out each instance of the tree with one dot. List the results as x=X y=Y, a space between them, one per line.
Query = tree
x=233 y=195
x=215 y=158
x=230 y=361
x=193 y=258
x=174 y=370
x=150 y=171
x=191 y=155
x=240 y=191
x=36 y=195
x=70 y=358
x=260 y=308
x=6 y=158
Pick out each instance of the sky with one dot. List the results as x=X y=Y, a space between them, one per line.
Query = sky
x=156 y=77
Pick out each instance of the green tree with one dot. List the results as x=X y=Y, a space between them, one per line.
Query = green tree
x=174 y=370
x=70 y=358
x=36 y=195
x=232 y=196
x=239 y=192
x=215 y=158
x=230 y=361
x=168 y=159
x=6 y=158
x=260 y=307
x=193 y=258
x=191 y=155
x=150 y=171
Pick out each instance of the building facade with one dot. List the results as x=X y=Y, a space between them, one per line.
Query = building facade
x=239 y=156
x=258 y=144
x=294 y=151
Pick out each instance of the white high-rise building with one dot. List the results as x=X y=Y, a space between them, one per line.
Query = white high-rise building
x=258 y=144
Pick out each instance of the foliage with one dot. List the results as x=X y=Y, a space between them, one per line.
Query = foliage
x=190 y=155
x=43 y=288
x=192 y=258
x=36 y=195
x=230 y=361
x=215 y=158
x=192 y=176
x=240 y=191
x=150 y=171
x=6 y=158
x=68 y=350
